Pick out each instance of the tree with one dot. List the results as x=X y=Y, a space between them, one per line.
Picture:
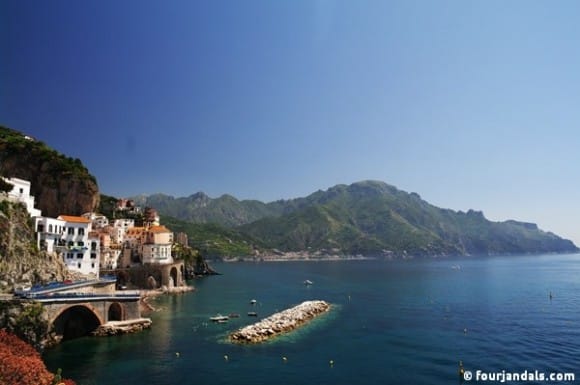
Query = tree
x=21 y=364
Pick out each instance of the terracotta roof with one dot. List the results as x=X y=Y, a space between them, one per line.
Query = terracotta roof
x=159 y=229
x=74 y=219
x=135 y=230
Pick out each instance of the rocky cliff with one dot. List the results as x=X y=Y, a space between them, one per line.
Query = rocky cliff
x=21 y=264
x=60 y=185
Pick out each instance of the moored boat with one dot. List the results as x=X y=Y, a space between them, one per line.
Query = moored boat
x=219 y=318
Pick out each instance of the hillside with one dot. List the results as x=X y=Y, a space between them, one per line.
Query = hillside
x=60 y=184
x=199 y=208
x=215 y=241
x=373 y=217
x=367 y=218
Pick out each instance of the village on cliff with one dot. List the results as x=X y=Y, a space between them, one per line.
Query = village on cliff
x=91 y=245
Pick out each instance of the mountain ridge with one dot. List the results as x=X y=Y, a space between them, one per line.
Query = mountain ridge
x=366 y=217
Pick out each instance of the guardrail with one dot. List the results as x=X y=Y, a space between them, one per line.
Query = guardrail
x=55 y=286
x=78 y=296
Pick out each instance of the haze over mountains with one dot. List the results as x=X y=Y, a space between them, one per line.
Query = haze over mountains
x=368 y=217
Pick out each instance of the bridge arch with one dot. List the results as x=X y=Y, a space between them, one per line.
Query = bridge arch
x=76 y=321
x=116 y=312
x=173 y=275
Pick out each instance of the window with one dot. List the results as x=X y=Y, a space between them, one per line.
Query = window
x=71 y=231
x=93 y=265
x=21 y=190
x=81 y=231
x=71 y=243
x=69 y=255
x=50 y=228
x=40 y=228
x=93 y=256
x=93 y=245
x=80 y=243
x=79 y=265
x=79 y=255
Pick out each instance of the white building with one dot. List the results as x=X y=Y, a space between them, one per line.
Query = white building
x=98 y=220
x=82 y=251
x=21 y=193
x=49 y=234
x=157 y=245
x=110 y=251
x=120 y=227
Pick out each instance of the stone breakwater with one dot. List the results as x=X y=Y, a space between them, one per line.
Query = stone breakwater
x=279 y=323
x=112 y=328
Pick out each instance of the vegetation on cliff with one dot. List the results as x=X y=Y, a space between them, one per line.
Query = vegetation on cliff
x=213 y=240
x=60 y=184
x=373 y=217
x=21 y=364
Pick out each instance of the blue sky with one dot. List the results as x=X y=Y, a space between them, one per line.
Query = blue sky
x=471 y=104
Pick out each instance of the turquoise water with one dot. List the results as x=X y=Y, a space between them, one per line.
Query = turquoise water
x=403 y=322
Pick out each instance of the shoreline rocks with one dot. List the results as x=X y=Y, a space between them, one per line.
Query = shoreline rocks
x=112 y=328
x=282 y=322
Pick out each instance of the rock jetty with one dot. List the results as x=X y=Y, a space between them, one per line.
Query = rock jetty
x=112 y=328
x=279 y=323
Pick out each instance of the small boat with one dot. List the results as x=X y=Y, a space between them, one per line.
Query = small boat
x=234 y=315
x=222 y=321
x=253 y=302
x=252 y=314
x=308 y=282
x=219 y=318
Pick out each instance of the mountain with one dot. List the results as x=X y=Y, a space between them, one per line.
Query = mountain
x=215 y=241
x=367 y=218
x=199 y=208
x=60 y=184
x=373 y=217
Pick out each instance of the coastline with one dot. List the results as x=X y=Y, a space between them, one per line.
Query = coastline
x=147 y=295
x=301 y=256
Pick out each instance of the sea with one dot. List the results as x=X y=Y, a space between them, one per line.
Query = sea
x=392 y=322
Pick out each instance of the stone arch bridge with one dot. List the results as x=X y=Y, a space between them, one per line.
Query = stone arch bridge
x=78 y=309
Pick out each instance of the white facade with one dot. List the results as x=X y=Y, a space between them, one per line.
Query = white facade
x=110 y=258
x=157 y=253
x=21 y=193
x=98 y=220
x=120 y=227
x=157 y=245
x=82 y=251
x=49 y=232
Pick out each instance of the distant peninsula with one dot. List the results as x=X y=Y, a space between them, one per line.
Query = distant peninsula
x=367 y=218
